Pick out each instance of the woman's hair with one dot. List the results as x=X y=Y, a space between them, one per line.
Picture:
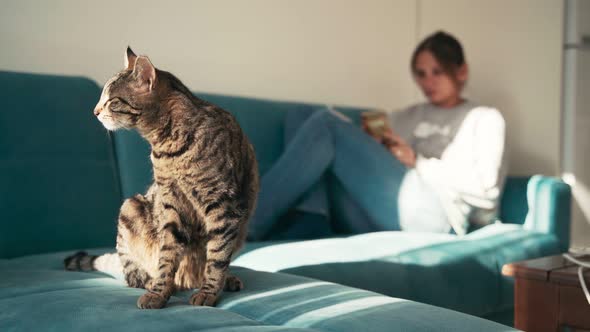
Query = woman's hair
x=446 y=49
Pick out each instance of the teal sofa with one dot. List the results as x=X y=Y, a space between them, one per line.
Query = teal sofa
x=63 y=178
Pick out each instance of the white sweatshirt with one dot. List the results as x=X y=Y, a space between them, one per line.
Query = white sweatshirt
x=460 y=153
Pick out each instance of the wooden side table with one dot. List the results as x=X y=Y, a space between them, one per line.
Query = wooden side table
x=548 y=295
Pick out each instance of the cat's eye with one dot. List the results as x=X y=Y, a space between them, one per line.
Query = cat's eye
x=115 y=102
x=118 y=105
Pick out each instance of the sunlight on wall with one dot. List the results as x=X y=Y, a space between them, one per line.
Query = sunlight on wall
x=581 y=194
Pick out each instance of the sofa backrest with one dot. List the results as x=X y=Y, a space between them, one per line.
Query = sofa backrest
x=58 y=181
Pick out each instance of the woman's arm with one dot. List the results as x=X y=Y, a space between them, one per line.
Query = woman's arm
x=472 y=164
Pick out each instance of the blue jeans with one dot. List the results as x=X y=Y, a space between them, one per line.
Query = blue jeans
x=321 y=142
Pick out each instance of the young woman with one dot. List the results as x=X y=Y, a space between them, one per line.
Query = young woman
x=438 y=168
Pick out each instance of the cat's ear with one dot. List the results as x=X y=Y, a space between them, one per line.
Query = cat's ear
x=129 y=58
x=145 y=72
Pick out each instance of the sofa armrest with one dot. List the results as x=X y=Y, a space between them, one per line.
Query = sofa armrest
x=549 y=204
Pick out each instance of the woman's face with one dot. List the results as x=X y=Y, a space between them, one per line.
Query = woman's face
x=440 y=88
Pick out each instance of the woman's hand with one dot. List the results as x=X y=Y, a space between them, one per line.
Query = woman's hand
x=399 y=148
x=365 y=128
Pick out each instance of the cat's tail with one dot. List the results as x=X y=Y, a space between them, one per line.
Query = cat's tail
x=107 y=263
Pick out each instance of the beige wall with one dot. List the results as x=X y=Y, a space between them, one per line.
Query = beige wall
x=331 y=51
x=514 y=49
x=338 y=52
x=344 y=52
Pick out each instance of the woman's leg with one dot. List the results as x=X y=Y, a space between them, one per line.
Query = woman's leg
x=315 y=199
x=371 y=175
x=304 y=160
x=309 y=216
x=393 y=196
x=366 y=169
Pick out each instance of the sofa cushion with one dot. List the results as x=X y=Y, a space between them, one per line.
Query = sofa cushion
x=36 y=293
x=440 y=269
x=59 y=188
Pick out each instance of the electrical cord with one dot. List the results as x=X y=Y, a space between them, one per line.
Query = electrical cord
x=581 y=266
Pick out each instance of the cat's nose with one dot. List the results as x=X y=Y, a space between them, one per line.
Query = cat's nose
x=97 y=110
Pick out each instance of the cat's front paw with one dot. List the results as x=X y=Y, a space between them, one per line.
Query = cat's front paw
x=203 y=299
x=233 y=284
x=151 y=301
x=137 y=279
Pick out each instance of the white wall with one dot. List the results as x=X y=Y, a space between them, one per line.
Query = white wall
x=331 y=51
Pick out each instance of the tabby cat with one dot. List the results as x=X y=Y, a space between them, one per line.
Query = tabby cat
x=183 y=232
